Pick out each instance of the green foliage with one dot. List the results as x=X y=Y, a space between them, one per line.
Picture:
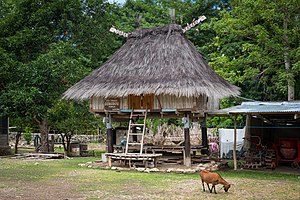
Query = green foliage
x=41 y=82
x=69 y=118
x=47 y=46
x=91 y=31
x=226 y=122
x=37 y=65
x=250 y=45
x=72 y=118
x=27 y=135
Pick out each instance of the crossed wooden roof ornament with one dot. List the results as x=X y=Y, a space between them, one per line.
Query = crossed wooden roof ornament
x=188 y=27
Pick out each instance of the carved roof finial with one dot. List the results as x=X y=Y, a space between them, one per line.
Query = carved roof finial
x=194 y=23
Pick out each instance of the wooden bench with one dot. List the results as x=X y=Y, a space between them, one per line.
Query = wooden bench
x=133 y=158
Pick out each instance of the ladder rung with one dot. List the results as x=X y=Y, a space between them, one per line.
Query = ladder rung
x=135 y=133
x=135 y=143
x=138 y=115
x=136 y=124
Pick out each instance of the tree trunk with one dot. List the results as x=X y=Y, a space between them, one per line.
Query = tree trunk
x=68 y=138
x=43 y=125
x=63 y=142
x=287 y=62
x=17 y=141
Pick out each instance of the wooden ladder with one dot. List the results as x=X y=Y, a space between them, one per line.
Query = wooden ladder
x=132 y=124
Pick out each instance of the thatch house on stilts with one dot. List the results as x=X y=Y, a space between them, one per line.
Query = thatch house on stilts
x=158 y=72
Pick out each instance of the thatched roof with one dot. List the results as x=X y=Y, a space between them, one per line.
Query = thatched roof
x=153 y=61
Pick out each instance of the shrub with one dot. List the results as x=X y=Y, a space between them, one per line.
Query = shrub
x=27 y=135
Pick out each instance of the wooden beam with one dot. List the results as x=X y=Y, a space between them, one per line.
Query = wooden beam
x=234 y=145
x=204 y=150
x=118 y=32
x=194 y=23
x=187 y=144
x=187 y=149
x=109 y=133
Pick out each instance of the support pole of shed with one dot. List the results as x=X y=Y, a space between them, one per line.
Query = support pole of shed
x=234 y=145
x=109 y=134
x=187 y=144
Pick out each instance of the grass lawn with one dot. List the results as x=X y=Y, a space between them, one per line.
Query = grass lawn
x=64 y=179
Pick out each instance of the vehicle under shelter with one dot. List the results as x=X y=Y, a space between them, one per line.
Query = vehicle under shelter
x=272 y=134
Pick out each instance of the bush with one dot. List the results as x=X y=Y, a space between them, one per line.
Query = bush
x=27 y=135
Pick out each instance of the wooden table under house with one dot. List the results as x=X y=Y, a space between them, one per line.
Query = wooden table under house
x=140 y=158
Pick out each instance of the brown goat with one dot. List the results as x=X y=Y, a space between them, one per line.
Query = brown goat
x=214 y=179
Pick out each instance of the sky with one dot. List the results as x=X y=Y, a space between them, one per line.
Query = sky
x=118 y=1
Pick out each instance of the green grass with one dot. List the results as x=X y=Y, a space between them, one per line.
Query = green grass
x=96 y=183
x=260 y=175
x=22 y=150
x=27 y=169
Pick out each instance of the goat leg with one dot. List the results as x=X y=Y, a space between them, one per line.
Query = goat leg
x=210 y=189
x=214 y=189
x=203 y=186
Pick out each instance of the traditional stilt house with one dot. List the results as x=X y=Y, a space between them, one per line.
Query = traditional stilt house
x=157 y=72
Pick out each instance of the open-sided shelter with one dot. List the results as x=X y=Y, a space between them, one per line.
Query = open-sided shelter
x=272 y=131
x=158 y=70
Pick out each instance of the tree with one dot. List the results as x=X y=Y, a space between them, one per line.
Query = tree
x=257 y=47
x=42 y=82
x=91 y=32
x=39 y=59
x=69 y=118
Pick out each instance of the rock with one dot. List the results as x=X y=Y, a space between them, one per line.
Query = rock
x=180 y=170
x=154 y=170
x=139 y=169
x=189 y=171
x=169 y=170
x=147 y=170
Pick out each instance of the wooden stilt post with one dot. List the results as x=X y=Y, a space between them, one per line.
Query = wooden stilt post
x=109 y=134
x=234 y=145
x=204 y=150
x=187 y=150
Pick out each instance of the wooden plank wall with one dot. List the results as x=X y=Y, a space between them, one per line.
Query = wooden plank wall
x=167 y=102
x=173 y=102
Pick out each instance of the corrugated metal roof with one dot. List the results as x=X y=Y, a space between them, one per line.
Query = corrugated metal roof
x=262 y=107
